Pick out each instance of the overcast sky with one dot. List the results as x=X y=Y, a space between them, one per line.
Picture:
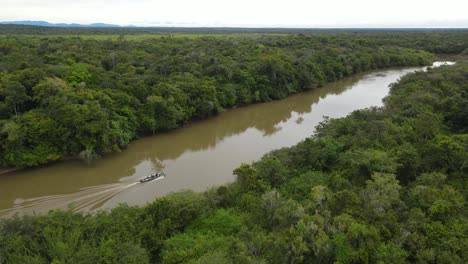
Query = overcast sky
x=284 y=13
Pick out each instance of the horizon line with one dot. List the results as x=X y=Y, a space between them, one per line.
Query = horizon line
x=193 y=25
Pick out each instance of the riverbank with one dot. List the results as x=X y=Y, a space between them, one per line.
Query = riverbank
x=90 y=104
x=198 y=155
x=95 y=156
x=8 y=170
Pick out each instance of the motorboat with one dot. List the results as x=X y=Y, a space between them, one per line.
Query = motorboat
x=152 y=177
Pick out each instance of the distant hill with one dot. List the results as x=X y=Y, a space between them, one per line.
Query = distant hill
x=47 y=24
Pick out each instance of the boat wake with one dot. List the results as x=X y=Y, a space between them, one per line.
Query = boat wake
x=85 y=200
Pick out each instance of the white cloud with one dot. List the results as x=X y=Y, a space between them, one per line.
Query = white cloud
x=291 y=13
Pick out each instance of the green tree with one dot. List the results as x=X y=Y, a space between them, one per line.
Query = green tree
x=14 y=94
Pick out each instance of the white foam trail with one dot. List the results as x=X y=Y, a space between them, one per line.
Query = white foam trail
x=86 y=199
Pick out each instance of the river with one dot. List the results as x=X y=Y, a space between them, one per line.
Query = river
x=195 y=157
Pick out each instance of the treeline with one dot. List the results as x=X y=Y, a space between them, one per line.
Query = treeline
x=70 y=96
x=11 y=29
x=382 y=185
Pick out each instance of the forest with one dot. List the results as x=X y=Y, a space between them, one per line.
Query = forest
x=86 y=93
x=381 y=185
